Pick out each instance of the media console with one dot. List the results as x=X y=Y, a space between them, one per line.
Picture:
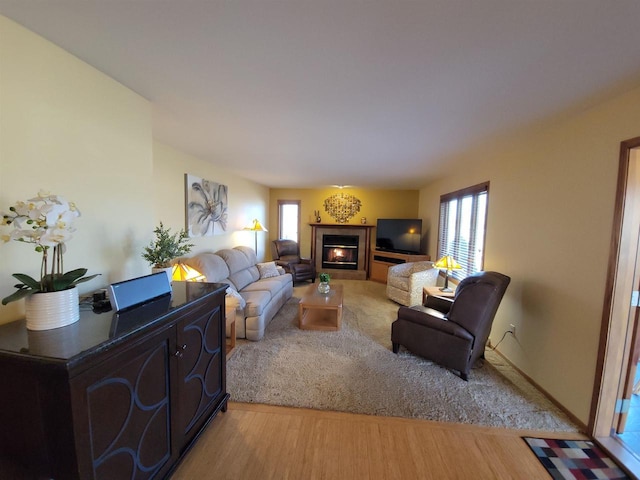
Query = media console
x=382 y=260
x=114 y=395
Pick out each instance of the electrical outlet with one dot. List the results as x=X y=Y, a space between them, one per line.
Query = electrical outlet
x=513 y=329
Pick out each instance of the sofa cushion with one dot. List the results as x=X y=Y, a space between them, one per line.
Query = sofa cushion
x=209 y=264
x=235 y=259
x=281 y=280
x=272 y=285
x=252 y=258
x=257 y=300
x=241 y=271
x=244 y=278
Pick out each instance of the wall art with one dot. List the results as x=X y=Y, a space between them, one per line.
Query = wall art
x=207 y=205
x=342 y=206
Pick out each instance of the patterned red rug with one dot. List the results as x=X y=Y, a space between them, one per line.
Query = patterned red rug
x=574 y=459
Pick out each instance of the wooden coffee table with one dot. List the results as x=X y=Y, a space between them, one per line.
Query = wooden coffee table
x=318 y=311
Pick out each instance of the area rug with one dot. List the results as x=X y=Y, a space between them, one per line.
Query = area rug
x=574 y=459
x=354 y=370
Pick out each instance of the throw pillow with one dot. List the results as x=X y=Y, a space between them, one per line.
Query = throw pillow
x=268 y=270
x=237 y=298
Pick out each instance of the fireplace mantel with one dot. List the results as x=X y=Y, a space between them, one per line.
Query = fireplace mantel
x=363 y=231
x=342 y=225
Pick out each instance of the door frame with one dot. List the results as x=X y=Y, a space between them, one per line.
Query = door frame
x=612 y=357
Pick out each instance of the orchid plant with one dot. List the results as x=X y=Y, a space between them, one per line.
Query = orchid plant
x=45 y=221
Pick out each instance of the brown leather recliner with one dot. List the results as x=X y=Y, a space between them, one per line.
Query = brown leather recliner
x=452 y=332
x=286 y=253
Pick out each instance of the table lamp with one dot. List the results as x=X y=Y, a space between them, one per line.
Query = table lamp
x=185 y=273
x=447 y=263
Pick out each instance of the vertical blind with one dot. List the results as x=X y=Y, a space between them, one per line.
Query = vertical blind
x=463 y=216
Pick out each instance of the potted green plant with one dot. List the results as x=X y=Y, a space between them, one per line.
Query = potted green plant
x=324 y=286
x=46 y=221
x=165 y=248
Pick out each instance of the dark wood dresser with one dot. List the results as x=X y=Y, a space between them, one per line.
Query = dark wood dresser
x=115 y=395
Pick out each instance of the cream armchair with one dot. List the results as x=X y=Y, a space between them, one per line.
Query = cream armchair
x=405 y=281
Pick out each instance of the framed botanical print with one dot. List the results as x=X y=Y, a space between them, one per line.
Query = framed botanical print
x=206 y=207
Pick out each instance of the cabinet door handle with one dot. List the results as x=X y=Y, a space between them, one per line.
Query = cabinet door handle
x=179 y=351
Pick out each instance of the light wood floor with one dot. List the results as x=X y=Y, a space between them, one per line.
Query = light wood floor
x=252 y=441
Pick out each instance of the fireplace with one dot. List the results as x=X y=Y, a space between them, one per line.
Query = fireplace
x=340 y=252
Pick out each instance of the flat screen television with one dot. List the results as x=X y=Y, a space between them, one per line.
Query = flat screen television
x=399 y=235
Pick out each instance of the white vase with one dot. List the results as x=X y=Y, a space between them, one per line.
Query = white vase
x=324 y=287
x=47 y=310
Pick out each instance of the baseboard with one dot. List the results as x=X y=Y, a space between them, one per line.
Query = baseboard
x=577 y=421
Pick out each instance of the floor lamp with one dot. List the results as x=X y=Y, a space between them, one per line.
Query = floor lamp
x=255 y=228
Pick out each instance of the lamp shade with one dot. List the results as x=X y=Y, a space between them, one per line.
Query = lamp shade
x=447 y=263
x=256 y=226
x=185 y=273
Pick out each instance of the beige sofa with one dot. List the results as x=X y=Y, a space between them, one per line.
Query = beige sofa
x=260 y=297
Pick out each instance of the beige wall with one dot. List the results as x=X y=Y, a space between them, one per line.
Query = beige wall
x=375 y=204
x=68 y=128
x=247 y=200
x=549 y=225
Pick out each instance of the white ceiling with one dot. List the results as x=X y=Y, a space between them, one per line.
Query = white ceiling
x=377 y=94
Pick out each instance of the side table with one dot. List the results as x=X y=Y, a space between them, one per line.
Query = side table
x=436 y=292
x=230 y=318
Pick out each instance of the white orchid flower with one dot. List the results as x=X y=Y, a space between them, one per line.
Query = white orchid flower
x=35 y=212
x=21 y=209
x=28 y=235
x=43 y=196
x=59 y=215
x=54 y=237
x=20 y=222
x=74 y=208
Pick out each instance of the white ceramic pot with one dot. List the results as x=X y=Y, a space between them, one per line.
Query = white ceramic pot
x=47 y=310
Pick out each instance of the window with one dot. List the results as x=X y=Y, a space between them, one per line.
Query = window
x=463 y=218
x=289 y=219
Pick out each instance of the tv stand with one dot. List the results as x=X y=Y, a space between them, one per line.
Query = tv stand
x=382 y=260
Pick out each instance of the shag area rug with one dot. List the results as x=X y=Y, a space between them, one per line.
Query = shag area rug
x=354 y=370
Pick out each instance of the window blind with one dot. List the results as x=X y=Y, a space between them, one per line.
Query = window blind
x=462 y=225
